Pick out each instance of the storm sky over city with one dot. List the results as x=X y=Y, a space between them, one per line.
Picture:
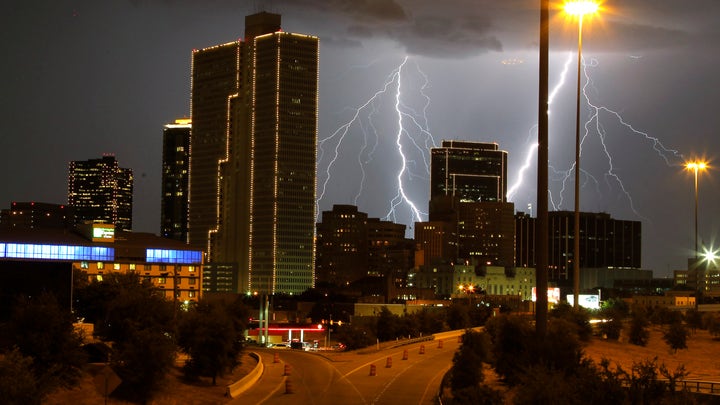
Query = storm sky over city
x=86 y=78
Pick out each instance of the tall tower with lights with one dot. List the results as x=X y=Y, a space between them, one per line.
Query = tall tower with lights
x=100 y=190
x=253 y=156
x=175 y=168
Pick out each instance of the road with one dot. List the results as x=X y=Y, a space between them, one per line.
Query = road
x=346 y=378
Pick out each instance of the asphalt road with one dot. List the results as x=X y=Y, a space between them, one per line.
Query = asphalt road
x=319 y=378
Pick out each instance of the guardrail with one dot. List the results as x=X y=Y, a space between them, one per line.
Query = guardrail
x=241 y=385
x=697 y=386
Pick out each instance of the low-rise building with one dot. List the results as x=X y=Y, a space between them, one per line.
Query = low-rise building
x=98 y=250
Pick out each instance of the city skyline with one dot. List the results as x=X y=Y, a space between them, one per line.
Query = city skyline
x=94 y=78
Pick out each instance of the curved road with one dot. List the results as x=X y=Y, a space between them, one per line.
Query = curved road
x=345 y=378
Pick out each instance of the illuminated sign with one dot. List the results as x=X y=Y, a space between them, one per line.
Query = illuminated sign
x=103 y=233
x=552 y=293
x=589 y=301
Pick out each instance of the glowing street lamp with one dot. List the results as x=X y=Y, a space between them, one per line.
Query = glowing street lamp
x=580 y=9
x=696 y=167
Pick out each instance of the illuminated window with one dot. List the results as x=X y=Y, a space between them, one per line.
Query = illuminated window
x=132 y=266
x=99 y=277
x=191 y=294
x=116 y=266
x=100 y=265
x=84 y=265
x=162 y=280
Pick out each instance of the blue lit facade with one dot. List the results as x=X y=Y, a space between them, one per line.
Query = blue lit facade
x=55 y=252
x=166 y=263
x=173 y=256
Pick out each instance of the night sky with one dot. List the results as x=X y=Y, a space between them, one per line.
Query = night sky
x=84 y=78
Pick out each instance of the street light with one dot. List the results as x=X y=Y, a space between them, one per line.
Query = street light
x=580 y=9
x=695 y=167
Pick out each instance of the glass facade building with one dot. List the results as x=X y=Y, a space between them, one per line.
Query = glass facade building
x=253 y=156
x=99 y=190
x=175 y=171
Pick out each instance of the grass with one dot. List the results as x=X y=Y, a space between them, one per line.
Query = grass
x=700 y=358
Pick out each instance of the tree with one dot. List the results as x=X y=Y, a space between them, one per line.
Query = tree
x=211 y=334
x=17 y=381
x=711 y=322
x=676 y=336
x=136 y=317
x=579 y=317
x=694 y=319
x=611 y=328
x=458 y=316
x=514 y=346
x=468 y=361
x=142 y=360
x=429 y=322
x=387 y=325
x=354 y=337
x=43 y=331
x=638 y=333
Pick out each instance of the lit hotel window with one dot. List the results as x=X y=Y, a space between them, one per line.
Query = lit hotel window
x=100 y=265
x=116 y=266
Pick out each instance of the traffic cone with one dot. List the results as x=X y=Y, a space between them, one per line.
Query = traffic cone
x=388 y=364
x=440 y=344
x=372 y=370
x=288 y=386
x=287 y=370
x=405 y=354
x=422 y=349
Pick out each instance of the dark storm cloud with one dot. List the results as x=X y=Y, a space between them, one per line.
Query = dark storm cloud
x=465 y=28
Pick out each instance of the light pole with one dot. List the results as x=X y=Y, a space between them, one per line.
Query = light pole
x=695 y=167
x=541 y=222
x=578 y=8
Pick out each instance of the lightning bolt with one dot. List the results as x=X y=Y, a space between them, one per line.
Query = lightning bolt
x=401 y=196
x=530 y=154
x=412 y=135
x=593 y=125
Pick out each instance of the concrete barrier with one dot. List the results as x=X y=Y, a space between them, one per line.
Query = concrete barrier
x=241 y=385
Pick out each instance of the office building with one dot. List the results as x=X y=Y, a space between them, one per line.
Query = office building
x=253 y=156
x=43 y=259
x=175 y=171
x=471 y=171
x=99 y=190
x=467 y=190
x=342 y=245
x=604 y=242
x=33 y=215
x=351 y=246
x=435 y=242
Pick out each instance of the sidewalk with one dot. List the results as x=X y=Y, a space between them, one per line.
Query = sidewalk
x=271 y=381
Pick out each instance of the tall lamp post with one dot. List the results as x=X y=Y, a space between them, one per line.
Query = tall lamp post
x=578 y=8
x=696 y=167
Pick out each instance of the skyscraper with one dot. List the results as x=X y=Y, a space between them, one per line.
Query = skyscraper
x=253 y=155
x=100 y=190
x=471 y=171
x=175 y=169
x=468 y=183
